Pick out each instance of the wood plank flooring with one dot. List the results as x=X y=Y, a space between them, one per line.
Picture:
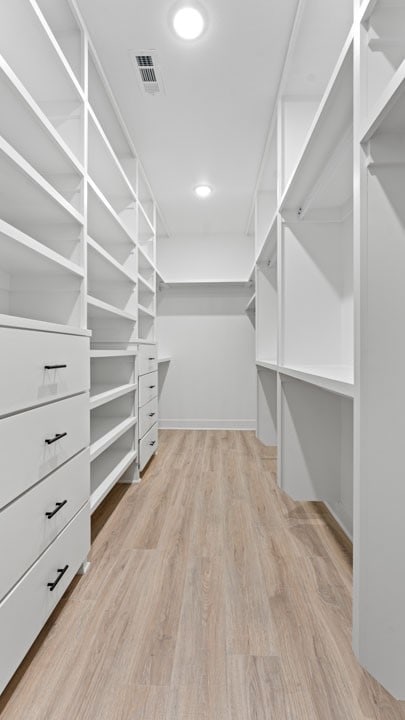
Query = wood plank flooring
x=211 y=596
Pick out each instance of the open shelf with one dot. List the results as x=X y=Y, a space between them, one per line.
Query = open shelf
x=103 y=394
x=268 y=249
x=174 y=284
x=251 y=306
x=144 y=311
x=67 y=32
x=49 y=80
x=316 y=453
x=36 y=282
x=383 y=50
x=267 y=308
x=321 y=186
x=106 y=171
x=317 y=327
x=27 y=129
x=146 y=236
x=145 y=286
x=145 y=197
x=268 y=364
x=103 y=106
x=107 y=353
x=105 y=226
x=99 y=308
x=387 y=116
x=336 y=379
x=267 y=430
x=104 y=431
x=107 y=470
x=32 y=205
x=104 y=268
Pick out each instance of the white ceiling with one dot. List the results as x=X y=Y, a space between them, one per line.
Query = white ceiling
x=211 y=123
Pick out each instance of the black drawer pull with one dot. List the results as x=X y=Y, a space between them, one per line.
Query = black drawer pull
x=57 y=437
x=59 y=506
x=152 y=443
x=61 y=572
x=151 y=358
x=152 y=414
x=151 y=387
x=54 y=367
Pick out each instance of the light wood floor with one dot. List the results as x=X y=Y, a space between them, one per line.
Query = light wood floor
x=211 y=596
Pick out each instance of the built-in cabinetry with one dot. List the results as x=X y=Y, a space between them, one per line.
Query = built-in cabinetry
x=77 y=292
x=148 y=403
x=328 y=302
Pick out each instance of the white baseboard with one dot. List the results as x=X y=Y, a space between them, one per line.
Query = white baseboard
x=207 y=424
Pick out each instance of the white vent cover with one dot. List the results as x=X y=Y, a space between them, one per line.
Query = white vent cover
x=148 y=71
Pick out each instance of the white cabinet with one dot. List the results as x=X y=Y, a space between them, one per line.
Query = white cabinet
x=148 y=403
x=24 y=611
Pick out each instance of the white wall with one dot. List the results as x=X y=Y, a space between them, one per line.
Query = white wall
x=211 y=379
x=206 y=257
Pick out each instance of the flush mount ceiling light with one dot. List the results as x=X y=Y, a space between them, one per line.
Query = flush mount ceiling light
x=203 y=191
x=188 y=23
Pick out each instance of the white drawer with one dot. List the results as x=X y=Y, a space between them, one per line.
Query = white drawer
x=24 y=611
x=148 y=388
x=25 y=454
x=147 y=359
x=24 y=379
x=25 y=528
x=148 y=446
x=147 y=416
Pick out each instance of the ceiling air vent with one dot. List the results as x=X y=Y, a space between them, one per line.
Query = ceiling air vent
x=148 y=72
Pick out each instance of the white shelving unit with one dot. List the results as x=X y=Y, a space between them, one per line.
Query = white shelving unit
x=329 y=253
x=78 y=247
x=379 y=534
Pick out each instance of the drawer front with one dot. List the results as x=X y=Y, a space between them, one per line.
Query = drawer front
x=26 y=457
x=26 y=529
x=148 y=446
x=24 y=611
x=24 y=379
x=147 y=359
x=148 y=415
x=148 y=388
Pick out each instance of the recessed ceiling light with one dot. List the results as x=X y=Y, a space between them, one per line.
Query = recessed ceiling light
x=188 y=23
x=203 y=191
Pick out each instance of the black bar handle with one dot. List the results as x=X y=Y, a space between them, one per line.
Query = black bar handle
x=151 y=358
x=61 y=571
x=152 y=443
x=54 y=367
x=152 y=414
x=57 y=437
x=151 y=387
x=59 y=506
